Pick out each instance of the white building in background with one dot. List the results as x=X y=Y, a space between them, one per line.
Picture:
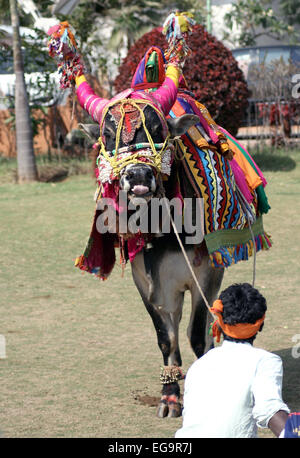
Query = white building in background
x=219 y=8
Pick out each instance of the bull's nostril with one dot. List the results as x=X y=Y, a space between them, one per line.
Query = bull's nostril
x=149 y=174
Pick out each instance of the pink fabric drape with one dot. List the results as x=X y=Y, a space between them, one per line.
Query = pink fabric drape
x=241 y=181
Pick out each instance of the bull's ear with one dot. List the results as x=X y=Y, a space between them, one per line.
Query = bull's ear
x=179 y=126
x=92 y=131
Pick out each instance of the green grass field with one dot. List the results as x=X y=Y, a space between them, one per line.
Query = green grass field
x=82 y=354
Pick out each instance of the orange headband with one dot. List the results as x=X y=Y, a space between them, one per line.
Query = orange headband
x=237 y=331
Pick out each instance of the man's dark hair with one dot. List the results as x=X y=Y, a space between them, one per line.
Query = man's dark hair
x=242 y=304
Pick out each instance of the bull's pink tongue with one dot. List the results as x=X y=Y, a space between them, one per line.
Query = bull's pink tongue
x=139 y=189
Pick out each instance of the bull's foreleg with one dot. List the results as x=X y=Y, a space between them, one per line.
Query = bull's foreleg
x=166 y=325
x=163 y=299
x=170 y=400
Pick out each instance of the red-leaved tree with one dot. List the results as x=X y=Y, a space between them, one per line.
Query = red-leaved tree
x=212 y=74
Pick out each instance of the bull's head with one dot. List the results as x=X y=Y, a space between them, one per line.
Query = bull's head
x=134 y=134
x=136 y=145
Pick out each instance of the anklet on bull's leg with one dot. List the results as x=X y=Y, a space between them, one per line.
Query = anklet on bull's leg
x=170 y=374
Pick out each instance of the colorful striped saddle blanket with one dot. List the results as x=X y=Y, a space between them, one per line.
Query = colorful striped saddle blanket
x=232 y=190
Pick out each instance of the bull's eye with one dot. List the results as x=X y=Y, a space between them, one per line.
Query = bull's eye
x=108 y=132
x=155 y=128
x=129 y=174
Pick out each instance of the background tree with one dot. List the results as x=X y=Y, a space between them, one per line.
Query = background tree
x=291 y=11
x=211 y=72
x=130 y=18
x=139 y=17
x=256 y=18
x=5 y=15
x=27 y=170
x=4 y=12
x=132 y=21
x=127 y=21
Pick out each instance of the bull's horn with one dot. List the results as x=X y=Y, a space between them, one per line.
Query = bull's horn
x=63 y=47
x=166 y=95
x=87 y=98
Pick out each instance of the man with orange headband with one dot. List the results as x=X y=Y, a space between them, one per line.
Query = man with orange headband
x=235 y=388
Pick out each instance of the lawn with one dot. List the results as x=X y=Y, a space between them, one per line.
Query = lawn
x=82 y=354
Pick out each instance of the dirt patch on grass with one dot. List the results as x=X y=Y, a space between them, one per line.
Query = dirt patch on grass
x=146 y=400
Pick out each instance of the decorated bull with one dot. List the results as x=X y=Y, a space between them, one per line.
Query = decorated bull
x=157 y=142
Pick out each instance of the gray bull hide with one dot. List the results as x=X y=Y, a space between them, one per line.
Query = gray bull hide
x=160 y=271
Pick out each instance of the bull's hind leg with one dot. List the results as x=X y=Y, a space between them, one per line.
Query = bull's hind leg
x=210 y=280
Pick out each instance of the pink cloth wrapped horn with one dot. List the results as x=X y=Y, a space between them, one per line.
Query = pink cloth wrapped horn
x=87 y=98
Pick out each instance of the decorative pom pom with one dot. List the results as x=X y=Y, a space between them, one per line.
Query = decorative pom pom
x=63 y=47
x=177 y=27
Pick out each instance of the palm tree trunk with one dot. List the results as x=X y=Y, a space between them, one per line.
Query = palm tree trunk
x=27 y=170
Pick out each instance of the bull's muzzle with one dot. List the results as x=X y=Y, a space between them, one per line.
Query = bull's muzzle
x=138 y=180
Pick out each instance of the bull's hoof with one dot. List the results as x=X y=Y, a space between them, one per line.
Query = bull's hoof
x=162 y=410
x=175 y=410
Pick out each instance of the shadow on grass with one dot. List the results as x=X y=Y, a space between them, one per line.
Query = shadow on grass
x=291 y=371
x=52 y=174
x=274 y=163
x=53 y=171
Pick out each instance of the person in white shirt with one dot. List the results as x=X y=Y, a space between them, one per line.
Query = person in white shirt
x=235 y=388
